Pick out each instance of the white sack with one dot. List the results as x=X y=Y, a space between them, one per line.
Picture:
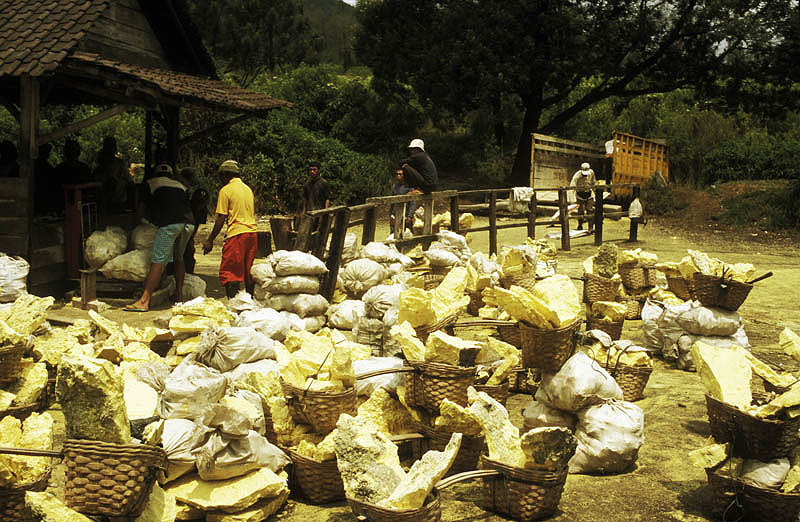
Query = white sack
x=222 y=457
x=179 y=438
x=581 y=382
x=242 y=302
x=520 y=199
x=294 y=262
x=304 y=305
x=439 y=257
x=651 y=312
x=268 y=321
x=539 y=415
x=262 y=273
x=352 y=248
x=226 y=348
x=609 y=437
x=193 y=286
x=313 y=323
x=700 y=320
x=360 y=275
x=381 y=298
x=765 y=474
x=454 y=241
x=13 y=271
x=104 y=245
x=143 y=237
x=380 y=252
x=189 y=388
x=388 y=382
x=668 y=326
x=154 y=374
x=130 y=266
x=345 y=314
x=293 y=284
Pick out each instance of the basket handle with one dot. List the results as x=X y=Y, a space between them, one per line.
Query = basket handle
x=404 y=437
x=31 y=452
x=759 y=278
x=466 y=475
x=483 y=322
x=385 y=371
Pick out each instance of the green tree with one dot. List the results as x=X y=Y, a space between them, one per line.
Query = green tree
x=464 y=54
x=248 y=37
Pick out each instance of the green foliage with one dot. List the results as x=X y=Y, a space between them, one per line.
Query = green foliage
x=660 y=199
x=773 y=209
x=335 y=22
x=755 y=154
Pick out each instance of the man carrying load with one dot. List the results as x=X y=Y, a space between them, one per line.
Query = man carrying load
x=584 y=181
x=236 y=206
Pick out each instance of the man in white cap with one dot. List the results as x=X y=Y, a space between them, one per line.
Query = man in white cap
x=584 y=181
x=419 y=171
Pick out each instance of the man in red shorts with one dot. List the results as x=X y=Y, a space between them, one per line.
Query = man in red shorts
x=236 y=206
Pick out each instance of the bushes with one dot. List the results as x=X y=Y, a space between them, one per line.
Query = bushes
x=771 y=208
x=754 y=155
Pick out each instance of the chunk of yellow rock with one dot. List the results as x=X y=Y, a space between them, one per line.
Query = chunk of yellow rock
x=49 y=346
x=709 y=456
x=204 y=307
x=28 y=313
x=30 y=384
x=505 y=369
x=48 y=508
x=519 y=303
x=10 y=436
x=792 y=480
x=457 y=419
x=502 y=437
x=188 y=345
x=229 y=495
x=385 y=413
x=779 y=380
x=443 y=348
x=160 y=506
x=725 y=373
x=187 y=512
x=258 y=512
x=788 y=399
x=609 y=310
x=416 y=308
x=107 y=325
x=9 y=336
x=790 y=343
x=192 y=324
x=405 y=335
x=6 y=398
x=561 y=299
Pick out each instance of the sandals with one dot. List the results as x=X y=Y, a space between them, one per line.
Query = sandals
x=133 y=308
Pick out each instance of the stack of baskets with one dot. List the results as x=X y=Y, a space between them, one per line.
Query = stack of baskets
x=635 y=278
x=547 y=350
x=597 y=288
x=751 y=437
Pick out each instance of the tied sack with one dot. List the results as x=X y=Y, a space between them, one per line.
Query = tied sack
x=13 y=272
x=581 y=382
x=104 y=245
x=380 y=252
x=130 y=266
x=304 y=305
x=179 y=438
x=360 y=275
x=294 y=262
x=540 y=415
x=609 y=437
x=189 y=388
x=293 y=284
x=223 y=457
x=226 y=348
x=381 y=298
x=143 y=237
x=268 y=321
x=345 y=314
x=388 y=382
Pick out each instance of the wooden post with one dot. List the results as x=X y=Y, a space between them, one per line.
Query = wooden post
x=321 y=240
x=368 y=228
x=455 y=224
x=532 y=216
x=563 y=216
x=335 y=252
x=28 y=151
x=427 y=228
x=598 y=215
x=399 y=224
x=303 y=240
x=88 y=287
x=493 y=222
x=633 y=235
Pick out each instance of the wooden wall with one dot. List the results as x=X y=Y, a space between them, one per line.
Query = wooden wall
x=123 y=33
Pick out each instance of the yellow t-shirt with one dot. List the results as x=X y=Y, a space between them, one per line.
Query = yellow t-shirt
x=236 y=201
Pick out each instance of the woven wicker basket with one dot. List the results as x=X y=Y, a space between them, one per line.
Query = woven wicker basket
x=680 y=287
x=319 y=482
x=424 y=331
x=632 y=380
x=432 y=382
x=319 y=409
x=525 y=380
x=11 y=361
x=498 y=392
x=510 y=334
x=430 y=512
x=718 y=291
x=547 y=349
x=110 y=479
x=635 y=276
x=522 y=494
x=467 y=456
x=12 y=500
x=633 y=309
x=614 y=329
x=526 y=280
x=597 y=288
x=740 y=500
x=475 y=303
x=752 y=437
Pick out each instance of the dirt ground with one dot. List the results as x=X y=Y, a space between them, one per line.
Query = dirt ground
x=663 y=485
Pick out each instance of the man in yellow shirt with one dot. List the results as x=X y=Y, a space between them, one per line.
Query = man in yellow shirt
x=236 y=206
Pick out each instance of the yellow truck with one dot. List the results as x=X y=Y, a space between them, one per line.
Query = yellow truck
x=623 y=159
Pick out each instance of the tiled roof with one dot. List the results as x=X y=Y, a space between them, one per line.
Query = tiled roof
x=188 y=88
x=35 y=35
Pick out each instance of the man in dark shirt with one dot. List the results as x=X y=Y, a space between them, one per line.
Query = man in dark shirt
x=418 y=169
x=168 y=208
x=316 y=191
x=72 y=171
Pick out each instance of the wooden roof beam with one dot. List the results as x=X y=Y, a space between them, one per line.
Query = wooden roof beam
x=214 y=128
x=88 y=122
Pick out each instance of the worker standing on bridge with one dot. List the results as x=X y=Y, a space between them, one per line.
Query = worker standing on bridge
x=584 y=181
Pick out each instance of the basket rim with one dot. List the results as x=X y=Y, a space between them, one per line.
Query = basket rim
x=9 y=348
x=729 y=408
x=431 y=502
x=715 y=472
x=294 y=455
x=422 y=366
x=529 y=475
x=290 y=389
x=570 y=326
x=443 y=323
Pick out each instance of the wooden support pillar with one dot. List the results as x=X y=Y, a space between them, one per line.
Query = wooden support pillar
x=633 y=235
x=455 y=223
x=493 y=222
x=563 y=217
x=335 y=252
x=532 y=216
x=148 y=143
x=321 y=239
x=427 y=227
x=598 y=215
x=28 y=146
x=303 y=240
x=88 y=287
x=368 y=228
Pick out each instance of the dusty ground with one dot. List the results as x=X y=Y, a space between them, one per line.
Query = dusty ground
x=663 y=486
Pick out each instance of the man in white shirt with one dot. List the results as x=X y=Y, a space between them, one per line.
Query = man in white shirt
x=584 y=181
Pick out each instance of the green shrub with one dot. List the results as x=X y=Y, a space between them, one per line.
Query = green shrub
x=771 y=209
x=658 y=199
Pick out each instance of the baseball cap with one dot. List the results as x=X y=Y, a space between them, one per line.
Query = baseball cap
x=416 y=143
x=163 y=169
x=230 y=166
x=585 y=167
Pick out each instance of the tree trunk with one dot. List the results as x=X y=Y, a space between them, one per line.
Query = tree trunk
x=521 y=171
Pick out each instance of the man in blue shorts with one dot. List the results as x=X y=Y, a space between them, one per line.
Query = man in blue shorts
x=168 y=208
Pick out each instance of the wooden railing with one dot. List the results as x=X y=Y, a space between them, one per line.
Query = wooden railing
x=322 y=231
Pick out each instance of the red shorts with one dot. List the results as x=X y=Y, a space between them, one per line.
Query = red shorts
x=238 y=254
